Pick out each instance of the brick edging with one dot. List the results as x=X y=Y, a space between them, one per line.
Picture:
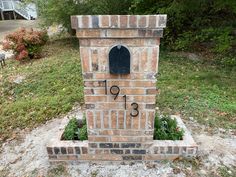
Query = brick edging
x=118 y=21
x=122 y=151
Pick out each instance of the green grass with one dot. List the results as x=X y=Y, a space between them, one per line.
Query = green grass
x=200 y=90
x=52 y=85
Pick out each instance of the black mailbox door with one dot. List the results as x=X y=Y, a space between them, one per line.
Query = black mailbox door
x=119 y=60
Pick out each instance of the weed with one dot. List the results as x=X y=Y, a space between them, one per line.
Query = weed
x=166 y=128
x=71 y=128
x=59 y=170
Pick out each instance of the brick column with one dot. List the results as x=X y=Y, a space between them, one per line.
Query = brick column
x=110 y=125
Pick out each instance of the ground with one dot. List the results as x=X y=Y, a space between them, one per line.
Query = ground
x=36 y=96
x=216 y=156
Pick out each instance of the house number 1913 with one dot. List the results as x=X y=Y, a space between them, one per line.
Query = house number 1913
x=115 y=90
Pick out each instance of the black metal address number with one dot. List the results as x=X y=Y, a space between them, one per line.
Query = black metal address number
x=115 y=90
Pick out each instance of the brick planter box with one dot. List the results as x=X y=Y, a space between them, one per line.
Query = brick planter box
x=154 y=150
x=119 y=57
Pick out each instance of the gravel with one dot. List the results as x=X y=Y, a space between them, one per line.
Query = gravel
x=27 y=156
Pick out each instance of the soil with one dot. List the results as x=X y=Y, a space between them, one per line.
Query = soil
x=27 y=156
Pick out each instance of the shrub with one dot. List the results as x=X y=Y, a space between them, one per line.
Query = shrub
x=82 y=133
x=166 y=128
x=26 y=44
x=76 y=130
x=70 y=130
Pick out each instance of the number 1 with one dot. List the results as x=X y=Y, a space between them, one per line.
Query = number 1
x=125 y=100
x=105 y=81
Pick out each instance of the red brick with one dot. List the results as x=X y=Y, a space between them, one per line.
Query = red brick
x=136 y=59
x=154 y=59
x=84 y=42
x=152 y=91
x=109 y=42
x=106 y=119
x=143 y=84
x=143 y=120
x=113 y=76
x=142 y=98
x=131 y=83
x=105 y=21
x=87 y=33
x=84 y=55
x=131 y=132
x=128 y=120
x=123 y=21
x=152 y=21
x=114 y=21
x=94 y=58
x=109 y=132
x=113 y=119
x=126 y=139
x=105 y=76
x=88 y=91
x=90 y=118
x=88 y=83
x=98 y=119
x=121 y=120
x=132 y=21
x=99 y=91
x=135 y=123
x=101 y=157
x=98 y=139
x=150 y=99
x=151 y=116
x=107 y=106
x=128 y=33
x=103 y=55
x=144 y=59
x=85 y=21
x=130 y=91
x=95 y=98
x=142 y=22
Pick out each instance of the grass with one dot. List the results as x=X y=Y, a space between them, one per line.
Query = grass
x=52 y=85
x=195 y=89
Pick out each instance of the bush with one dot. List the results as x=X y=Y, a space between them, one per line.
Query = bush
x=76 y=130
x=167 y=129
x=82 y=133
x=25 y=44
x=205 y=26
x=70 y=130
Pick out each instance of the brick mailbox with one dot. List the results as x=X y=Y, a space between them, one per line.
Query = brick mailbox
x=119 y=56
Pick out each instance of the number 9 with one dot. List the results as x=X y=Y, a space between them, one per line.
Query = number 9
x=115 y=93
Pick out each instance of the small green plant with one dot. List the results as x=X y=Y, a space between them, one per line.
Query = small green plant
x=70 y=130
x=76 y=130
x=166 y=128
x=82 y=132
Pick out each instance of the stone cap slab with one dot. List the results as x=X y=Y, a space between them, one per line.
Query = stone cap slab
x=119 y=26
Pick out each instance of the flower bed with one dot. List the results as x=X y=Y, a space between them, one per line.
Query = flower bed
x=75 y=150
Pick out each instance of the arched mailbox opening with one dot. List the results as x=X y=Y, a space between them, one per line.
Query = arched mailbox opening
x=119 y=60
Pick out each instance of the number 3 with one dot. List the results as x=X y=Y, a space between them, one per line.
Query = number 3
x=135 y=108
